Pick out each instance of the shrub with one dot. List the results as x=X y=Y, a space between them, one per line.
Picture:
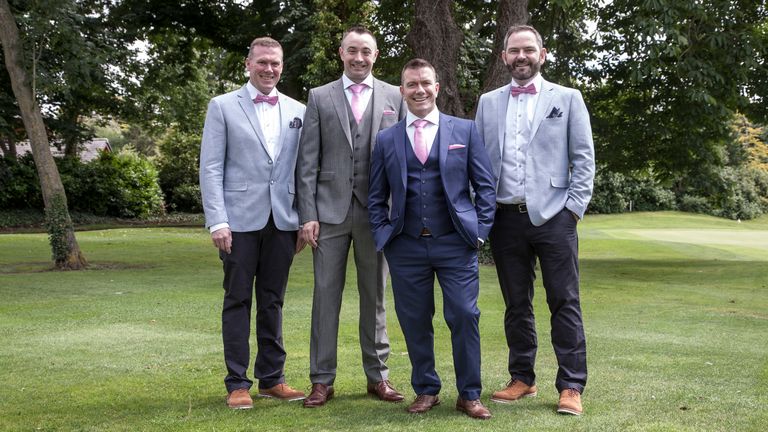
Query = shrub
x=730 y=192
x=121 y=184
x=178 y=166
x=616 y=193
x=19 y=185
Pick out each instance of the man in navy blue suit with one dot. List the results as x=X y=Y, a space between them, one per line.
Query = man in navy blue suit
x=426 y=163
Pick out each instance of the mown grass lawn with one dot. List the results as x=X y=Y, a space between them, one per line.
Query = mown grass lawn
x=675 y=306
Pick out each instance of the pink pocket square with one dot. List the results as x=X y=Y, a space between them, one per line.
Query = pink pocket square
x=456 y=146
x=389 y=112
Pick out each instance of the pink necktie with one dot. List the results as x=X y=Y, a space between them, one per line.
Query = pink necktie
x=272 y=100
x=517 y=90
x=419 y=143
x=357 y=108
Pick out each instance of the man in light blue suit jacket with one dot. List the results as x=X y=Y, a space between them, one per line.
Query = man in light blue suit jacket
x=426 y=164
x=539 y=140
x=247 y=180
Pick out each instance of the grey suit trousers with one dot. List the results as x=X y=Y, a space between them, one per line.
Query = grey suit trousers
x=330 y=266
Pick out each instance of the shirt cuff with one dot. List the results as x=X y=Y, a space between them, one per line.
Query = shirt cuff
x=218 y=227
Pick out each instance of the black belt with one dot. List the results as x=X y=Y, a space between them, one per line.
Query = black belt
x=517 y=208
x=425 y=232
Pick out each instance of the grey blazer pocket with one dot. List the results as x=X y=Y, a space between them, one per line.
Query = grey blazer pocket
x=559 y=182
x=326 y=176
x=235 y=186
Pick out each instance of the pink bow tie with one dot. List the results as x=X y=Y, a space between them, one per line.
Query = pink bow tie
x=272 y=100
x=517 y=90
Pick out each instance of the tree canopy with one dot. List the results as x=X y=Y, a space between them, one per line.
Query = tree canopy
x=662 y=78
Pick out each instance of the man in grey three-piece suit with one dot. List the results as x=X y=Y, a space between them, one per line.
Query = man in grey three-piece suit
x=340 y=127
x=539 y=140
x=247 y=175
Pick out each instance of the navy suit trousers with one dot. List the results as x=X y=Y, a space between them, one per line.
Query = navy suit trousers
x=413 y=264
x=263 y=256
x=515 y=244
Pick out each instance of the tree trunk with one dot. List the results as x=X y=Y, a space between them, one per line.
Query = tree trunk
x=66 y=251
x=435 y=37
x=510 y=12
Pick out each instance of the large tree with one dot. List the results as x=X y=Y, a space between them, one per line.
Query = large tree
x=66 y=251
x=671 y=75
x=435 y=37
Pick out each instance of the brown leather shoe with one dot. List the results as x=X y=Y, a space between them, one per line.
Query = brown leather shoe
x=423 y=403
x=239 y=399
x=473 y=408
x=384 y=391
x=515 y=390
x=319 y=395
x=282 y=391
x=570 y=402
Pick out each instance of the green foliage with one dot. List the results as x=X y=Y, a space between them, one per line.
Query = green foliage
x=121 y=184
x=730 y=192
x=670 y=77
x=19 y=184
x=178 y=165
x=129 y=182
x=79 y=63
x=615 y=192
x=58 y=224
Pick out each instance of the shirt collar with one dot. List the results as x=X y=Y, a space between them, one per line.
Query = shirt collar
x=253 y=91
x=348 y=82
x=433 y=117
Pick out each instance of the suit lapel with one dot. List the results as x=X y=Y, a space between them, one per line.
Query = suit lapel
x=543 y=105
x=339 y=100
x=378 y=107
x=250 y=114
x=285 y=113
x=401 y=140
x=502 y=98
x=445 y=132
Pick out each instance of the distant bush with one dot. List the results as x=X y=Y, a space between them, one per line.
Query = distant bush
x=177 y=164
x=19 y=186
x=729 y=192
x=616 y=193
x=121 y=184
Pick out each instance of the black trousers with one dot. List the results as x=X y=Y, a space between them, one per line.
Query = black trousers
x=515 y=244
x=264 y=256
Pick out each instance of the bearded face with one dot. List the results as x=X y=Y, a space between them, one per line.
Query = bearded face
x=523 y=56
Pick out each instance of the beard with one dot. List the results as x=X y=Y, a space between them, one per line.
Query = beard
x=524 y=74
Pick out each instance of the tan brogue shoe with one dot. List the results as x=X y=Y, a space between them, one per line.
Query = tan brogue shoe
x=423 y=403
x=570 y=402
x=239 y=399
x=473 y=408
x=515 y=390
x=319 y=395
x=282 y=391
x=384 y=391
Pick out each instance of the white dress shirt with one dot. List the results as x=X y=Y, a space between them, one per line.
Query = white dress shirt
x=269 y=119
x=517 y=135
x=365 y=95
x=429 y=131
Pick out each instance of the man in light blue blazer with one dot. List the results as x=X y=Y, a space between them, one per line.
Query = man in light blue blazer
x=539 y=140
x=247 y=180
x=423 y=216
